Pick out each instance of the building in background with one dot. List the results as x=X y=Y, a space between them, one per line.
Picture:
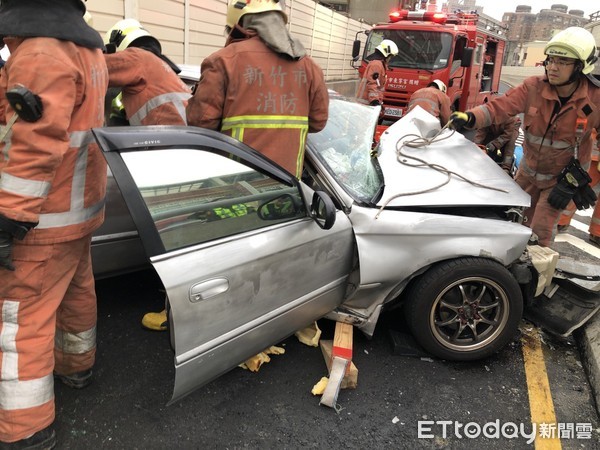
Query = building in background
x=526 y=27
x=372 y=11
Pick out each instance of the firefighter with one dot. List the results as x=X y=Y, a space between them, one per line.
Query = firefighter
x=261 y=88
x=567 y=215
x=499 y=141
x=560 y=111
x=434 y=100
x=52 y=189
x=152 y=93
x=372 y=84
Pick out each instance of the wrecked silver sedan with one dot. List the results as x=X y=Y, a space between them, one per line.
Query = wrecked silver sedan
x=248 y=254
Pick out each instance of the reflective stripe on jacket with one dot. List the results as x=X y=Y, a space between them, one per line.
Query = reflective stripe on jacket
x=434 y=101
x=152 y=93
x=52 y=171
x=261 y=98
x=549 y=137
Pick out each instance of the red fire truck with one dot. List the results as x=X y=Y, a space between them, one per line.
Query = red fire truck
x=454 y=48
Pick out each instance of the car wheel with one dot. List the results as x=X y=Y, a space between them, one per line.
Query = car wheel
x=464 y=309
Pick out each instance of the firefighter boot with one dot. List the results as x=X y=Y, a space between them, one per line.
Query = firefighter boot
x=42 y=440
x=155 y=321
x=77 y=380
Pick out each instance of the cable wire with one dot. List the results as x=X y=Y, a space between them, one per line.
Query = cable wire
x=420 y=142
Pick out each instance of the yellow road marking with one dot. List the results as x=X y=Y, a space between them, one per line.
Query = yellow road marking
x=538 y=388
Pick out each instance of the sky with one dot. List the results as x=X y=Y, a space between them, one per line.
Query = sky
x=496 y=8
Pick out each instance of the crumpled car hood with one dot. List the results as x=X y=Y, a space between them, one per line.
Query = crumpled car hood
x=406 y=185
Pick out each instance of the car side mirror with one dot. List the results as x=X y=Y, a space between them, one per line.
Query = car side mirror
x=322 y=210
x=281 y=207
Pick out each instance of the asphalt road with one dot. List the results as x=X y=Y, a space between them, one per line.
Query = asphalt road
x=395 y=402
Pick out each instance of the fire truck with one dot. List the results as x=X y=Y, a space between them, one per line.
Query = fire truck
x=454 y=48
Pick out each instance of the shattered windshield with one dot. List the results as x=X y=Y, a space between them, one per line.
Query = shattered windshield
x=417 y=49
x=344 y=147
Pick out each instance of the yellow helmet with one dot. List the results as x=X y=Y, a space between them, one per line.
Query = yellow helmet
x=124 y=32
x=387 y=47
x=239 y=8
x=576 y=43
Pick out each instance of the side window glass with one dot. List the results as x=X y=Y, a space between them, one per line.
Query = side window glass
x=459 y=46
x=478 y=55
x=195 y=196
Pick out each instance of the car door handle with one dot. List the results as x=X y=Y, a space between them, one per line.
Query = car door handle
x=207 y=289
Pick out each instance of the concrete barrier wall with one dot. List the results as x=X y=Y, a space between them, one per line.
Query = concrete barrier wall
x=190 y=30
x=515 y=75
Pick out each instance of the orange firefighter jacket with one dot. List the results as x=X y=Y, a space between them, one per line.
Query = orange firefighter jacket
x=261 y=98
x=153 y=94
x=372 y=84
x=434 y=101
x=51 y=171
x=549 y=128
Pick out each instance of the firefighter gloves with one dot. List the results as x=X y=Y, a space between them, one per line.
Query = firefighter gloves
x=6 y=250
x=573 y=184
x=459 y=120
x=494 y=153
x=585 y=197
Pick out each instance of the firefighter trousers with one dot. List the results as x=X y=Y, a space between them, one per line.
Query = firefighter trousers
x=540 y=216
x=567 y=214
x=47 y=323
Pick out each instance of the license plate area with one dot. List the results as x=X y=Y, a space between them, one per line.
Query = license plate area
x=392 y=111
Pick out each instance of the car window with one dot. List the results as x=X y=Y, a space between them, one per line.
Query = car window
x=196 y=196
x=344 y=146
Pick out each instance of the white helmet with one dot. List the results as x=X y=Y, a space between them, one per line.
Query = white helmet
x=576 y=43
x=239 y=8
x=124 y=32
x=387 y=48
x=439 y=84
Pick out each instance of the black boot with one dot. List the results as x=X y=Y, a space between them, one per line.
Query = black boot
x=77 y=380
x=42 y=440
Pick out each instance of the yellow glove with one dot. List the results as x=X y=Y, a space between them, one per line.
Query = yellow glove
x=459 y=120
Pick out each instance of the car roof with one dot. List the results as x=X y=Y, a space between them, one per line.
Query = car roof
x=189 y=72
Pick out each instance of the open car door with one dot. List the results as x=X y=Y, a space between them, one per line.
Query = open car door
x=246 y=252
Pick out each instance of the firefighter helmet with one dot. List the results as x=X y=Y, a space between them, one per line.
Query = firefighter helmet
x=387 y=48
x=239 y=8
x=124 y=32
x=439 y=84
x=576 y=43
